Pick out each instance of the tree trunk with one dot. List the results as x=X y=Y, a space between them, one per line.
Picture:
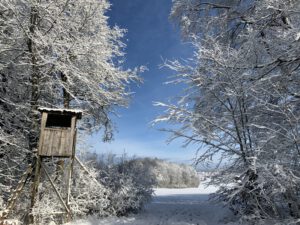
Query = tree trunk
x=66 y=101
x=35 y=94
x=34 y=81
x=66 y=94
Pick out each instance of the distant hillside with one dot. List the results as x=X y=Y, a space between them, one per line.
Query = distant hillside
x=169 y=175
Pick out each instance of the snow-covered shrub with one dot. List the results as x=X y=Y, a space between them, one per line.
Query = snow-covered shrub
x=260 y=195
x=103 y=188
x=46 y=204
x=125 y=196
x=89 y=196
x=129 y=183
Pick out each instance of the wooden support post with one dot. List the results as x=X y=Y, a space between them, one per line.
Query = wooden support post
x=69 y=182
x=20 y=186
x=35 y=187
x=72 y=158
x=87 y=171
x=70 y=171
x=16 y=193
x=37 y=173
x=82 y=166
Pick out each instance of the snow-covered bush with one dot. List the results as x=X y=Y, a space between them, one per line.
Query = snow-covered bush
x=126 y=196
x=256 y=196
x=89 y=196
x=129 y=183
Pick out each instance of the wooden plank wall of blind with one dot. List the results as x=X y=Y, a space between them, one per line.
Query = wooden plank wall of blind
x=57 y=142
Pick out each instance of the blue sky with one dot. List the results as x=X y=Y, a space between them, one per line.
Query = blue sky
x=150 y=39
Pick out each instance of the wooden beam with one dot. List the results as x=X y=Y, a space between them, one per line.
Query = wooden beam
x=19 y=188
x=35 y=186
x=43 y=125
x=86 y=170
x=70 y=171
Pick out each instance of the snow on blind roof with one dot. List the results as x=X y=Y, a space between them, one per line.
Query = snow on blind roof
x=77 y=112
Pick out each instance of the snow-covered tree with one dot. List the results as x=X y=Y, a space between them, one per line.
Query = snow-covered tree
x=242 y=101
x=55 y=54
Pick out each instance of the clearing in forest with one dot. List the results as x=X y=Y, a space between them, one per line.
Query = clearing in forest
x=187 y=206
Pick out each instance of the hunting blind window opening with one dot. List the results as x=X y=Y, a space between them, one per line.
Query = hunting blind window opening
x=56 y=120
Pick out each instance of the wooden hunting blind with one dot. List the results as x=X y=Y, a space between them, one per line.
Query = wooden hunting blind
x=58 y=132
x=57 y=140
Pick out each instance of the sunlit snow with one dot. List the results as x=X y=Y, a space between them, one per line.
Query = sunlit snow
x=187 y=206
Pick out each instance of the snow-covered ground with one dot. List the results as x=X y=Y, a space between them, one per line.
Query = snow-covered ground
x=172 y=207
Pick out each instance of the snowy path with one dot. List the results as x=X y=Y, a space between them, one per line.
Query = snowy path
x=172 y=207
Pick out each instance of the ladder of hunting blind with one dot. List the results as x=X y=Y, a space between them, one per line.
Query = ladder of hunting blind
x=15 y=193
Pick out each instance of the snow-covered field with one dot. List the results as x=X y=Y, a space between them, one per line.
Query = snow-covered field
x=172 y=207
